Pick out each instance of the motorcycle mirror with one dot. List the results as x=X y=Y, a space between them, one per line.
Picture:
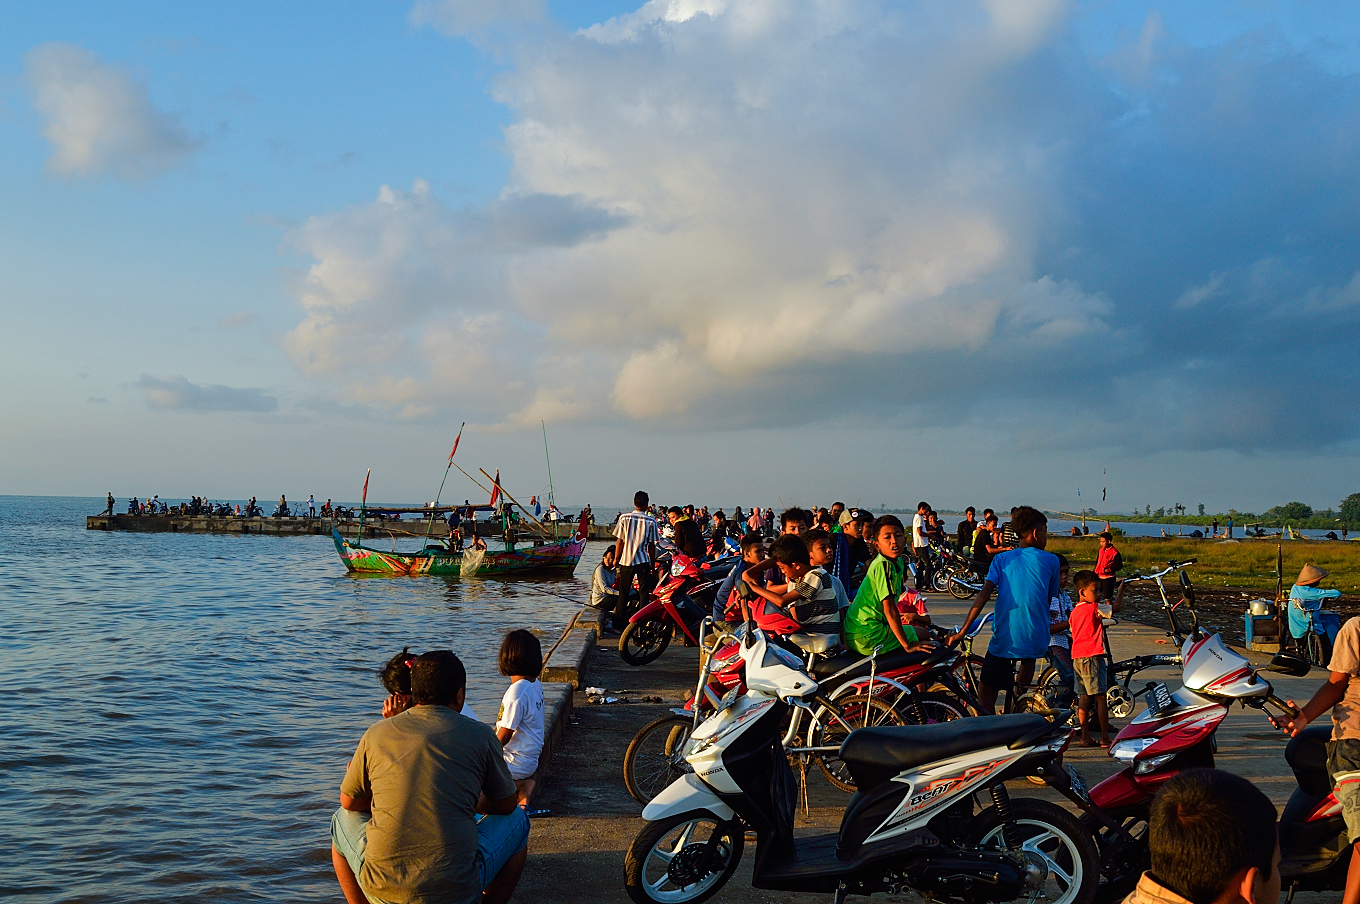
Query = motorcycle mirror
x=1287 y=663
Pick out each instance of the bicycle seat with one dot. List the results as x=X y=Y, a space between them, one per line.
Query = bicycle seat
x=874 y=755
x=1306 y=754
x=814 y=643
x=887 y=662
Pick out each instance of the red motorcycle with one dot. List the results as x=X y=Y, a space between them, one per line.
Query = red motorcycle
x=1177 y=731
x=682 y=598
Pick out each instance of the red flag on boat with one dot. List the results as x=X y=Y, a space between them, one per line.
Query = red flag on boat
x=455 y=441
x=496 y=487
x=366 y=476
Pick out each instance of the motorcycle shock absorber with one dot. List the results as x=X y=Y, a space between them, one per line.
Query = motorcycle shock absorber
x=1001 y=798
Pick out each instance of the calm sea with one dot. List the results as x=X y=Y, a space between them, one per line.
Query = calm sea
x=178 y=710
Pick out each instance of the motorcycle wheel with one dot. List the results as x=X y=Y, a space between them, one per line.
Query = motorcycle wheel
x=662 y=865
x=1053 y=836
x=643 y=641
x=958 y=590
x=858 y=711
x=655 y=757
x=1121 y=862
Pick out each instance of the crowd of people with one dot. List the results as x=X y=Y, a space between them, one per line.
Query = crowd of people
x=199 y=505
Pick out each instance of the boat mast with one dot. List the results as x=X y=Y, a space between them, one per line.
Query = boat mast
x=544 y=425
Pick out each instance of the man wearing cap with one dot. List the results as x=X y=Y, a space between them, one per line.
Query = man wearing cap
x=1305 y=597
x=860 y=554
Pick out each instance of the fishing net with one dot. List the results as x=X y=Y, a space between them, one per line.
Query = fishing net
x=472 y=560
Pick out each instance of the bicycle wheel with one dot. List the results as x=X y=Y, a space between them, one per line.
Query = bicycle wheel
x=1314 y=649
x=931 y=708
x=656 y=757
x=958 y=589
x=859 y=711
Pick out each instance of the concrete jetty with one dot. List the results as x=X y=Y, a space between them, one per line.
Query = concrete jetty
x=300 y=527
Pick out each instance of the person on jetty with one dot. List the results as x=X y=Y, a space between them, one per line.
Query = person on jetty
x=637 y=537
x=874 y=620
x=1024 y=580
x=519 y=724
x=108 y=509
x=408 y=828
x=603 y=595
x=1305 y=598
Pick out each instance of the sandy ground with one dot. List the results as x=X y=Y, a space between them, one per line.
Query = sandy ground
x=576 y=854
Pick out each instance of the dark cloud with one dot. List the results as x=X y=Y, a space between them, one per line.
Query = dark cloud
x=177 y=393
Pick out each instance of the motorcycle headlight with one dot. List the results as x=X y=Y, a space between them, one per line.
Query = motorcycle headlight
x=1151 y=763
x=1127 y=751
x=677 y=569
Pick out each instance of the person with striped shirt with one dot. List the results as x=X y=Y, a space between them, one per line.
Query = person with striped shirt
x=635 y=550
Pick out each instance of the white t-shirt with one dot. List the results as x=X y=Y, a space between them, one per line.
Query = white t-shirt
x=918 y=524
x=522 y=713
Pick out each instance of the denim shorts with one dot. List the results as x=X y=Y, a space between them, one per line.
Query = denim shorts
x=498 y=839
x=1092 y=678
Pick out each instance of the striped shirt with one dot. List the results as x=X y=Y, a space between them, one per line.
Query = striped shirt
x=635 y=531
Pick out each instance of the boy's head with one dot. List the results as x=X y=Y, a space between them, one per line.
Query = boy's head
x=752 y=547
x=836 y=509
x=1213 y=837
x=1030 y=526
x=969 y=513
x=1106 y=540
x=987 y=513
x=1087 y=585
x=858 y=523
x=923 y=508
x=990 y=521
x=795 y=521
x=890 y=538
x=818 y=546
x=640 y=500
x=790 y=553
x=1064 y=569
x=437 y=678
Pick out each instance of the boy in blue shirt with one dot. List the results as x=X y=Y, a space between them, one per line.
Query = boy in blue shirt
x=1024 y=580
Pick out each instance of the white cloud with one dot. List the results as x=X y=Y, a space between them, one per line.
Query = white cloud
x=98 y=118
x=751 y=213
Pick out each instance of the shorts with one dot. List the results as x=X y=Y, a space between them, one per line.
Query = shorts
x=498 y=839
x=1091 y=676
x=1106 y=588
x=1343 y=766
x=998 y=672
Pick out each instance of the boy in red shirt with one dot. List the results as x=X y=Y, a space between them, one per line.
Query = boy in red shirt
x=1088 y=656
x=1108 y=563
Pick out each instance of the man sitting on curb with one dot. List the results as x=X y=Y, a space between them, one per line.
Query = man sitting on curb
x=1213 y=841
x=424 y=775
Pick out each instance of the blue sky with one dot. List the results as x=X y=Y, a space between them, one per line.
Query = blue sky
x=977 y=253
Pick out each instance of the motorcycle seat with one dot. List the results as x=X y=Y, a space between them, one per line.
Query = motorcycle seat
x=887 y=662
x=814 y=643
x=874 y=755
x=1306 y=754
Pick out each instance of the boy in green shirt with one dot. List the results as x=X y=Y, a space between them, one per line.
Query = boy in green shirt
x=873 y=619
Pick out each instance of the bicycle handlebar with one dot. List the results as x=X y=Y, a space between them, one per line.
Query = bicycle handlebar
x=1170 y=567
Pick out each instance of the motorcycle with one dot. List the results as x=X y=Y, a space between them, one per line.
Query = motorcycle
x=679 y=604
x=1177 y=731
x=912 y=826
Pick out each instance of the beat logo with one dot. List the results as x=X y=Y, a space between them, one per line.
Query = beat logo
x=942 y=786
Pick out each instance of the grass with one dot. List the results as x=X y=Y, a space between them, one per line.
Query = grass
x=1249 y=564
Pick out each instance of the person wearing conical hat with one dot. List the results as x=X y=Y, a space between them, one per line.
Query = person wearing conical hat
x=1306 y=597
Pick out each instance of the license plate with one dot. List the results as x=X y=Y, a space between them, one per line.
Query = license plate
x=1078 y=783
x=1159 y=699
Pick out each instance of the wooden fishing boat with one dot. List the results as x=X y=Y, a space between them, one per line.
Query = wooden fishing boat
x=553 y=556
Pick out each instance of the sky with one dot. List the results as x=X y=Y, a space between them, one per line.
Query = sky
x=729 y=251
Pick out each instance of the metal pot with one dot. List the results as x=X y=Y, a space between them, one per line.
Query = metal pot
x=1261 y=607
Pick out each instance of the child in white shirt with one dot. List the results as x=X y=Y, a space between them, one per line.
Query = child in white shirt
x=519 y=727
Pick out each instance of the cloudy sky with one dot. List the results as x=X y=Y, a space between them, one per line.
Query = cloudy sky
x=732 y=251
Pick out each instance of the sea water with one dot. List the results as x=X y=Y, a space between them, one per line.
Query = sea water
x=179 y=708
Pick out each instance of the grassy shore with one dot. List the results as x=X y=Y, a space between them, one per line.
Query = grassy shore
x=1248 y=564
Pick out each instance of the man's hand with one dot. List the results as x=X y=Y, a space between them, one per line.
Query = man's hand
x=955 y=638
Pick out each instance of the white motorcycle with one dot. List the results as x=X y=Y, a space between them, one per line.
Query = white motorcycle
x=915 y=823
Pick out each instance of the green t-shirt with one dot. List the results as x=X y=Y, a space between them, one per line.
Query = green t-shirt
x=424 y=769
x=865 y=625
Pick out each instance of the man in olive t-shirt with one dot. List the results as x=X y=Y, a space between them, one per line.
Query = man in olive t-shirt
x=421 y=774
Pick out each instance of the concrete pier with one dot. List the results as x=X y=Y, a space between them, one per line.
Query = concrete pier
x=300 y=527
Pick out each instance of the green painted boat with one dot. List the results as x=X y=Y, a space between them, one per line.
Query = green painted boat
x=556 y=556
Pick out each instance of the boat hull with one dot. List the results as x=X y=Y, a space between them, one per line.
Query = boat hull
x=558 y=557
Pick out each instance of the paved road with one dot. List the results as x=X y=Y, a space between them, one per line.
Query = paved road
x=577 y=853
